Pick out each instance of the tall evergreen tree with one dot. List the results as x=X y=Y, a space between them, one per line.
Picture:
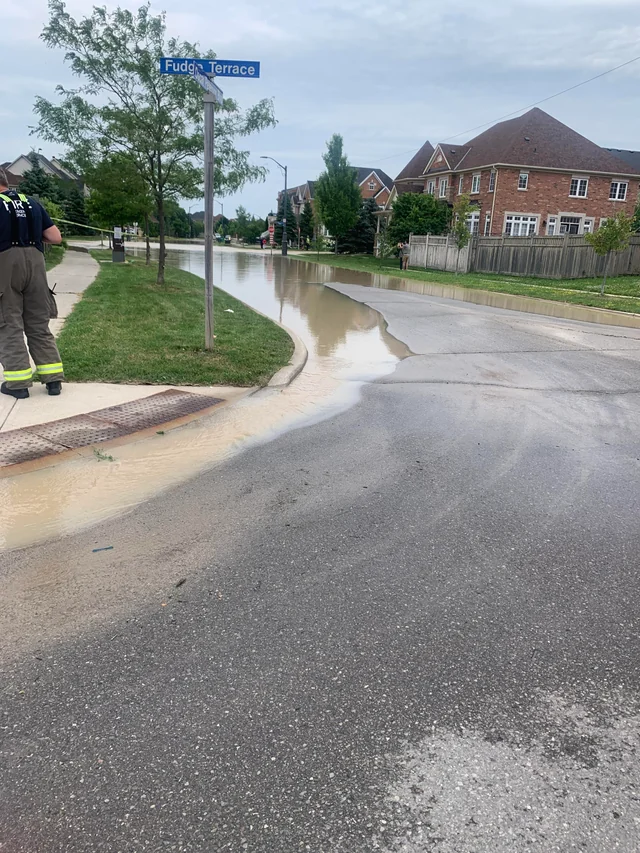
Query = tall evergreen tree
x=337 y=195
x=75 y=209
x=292 y=223
x=306 y=222
x=360 y=239
x=38 y=184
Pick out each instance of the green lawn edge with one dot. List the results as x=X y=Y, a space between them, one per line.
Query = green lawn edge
x=623 y=292
x=128 y=329
x=53 y=256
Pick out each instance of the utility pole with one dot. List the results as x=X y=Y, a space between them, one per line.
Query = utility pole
x=284 y=203
x=209 y=119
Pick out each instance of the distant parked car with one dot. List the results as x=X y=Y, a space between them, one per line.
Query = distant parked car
x=227 y=238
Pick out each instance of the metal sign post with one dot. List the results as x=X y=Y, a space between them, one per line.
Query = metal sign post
x=203 y=71
x=209 y=118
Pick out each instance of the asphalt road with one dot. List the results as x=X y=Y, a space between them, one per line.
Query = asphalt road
x=414 y=626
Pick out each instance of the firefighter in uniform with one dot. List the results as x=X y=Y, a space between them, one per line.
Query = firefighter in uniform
x=26 y=303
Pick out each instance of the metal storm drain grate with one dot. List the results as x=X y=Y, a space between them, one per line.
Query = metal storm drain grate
x=20 y=446
x=34 y=442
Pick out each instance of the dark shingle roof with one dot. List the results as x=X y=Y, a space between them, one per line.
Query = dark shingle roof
x=418 y=163
x=632 y=158
x=535 y=139
x=364 y=172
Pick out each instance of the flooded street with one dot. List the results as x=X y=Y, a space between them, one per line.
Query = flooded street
x=347 y=343
x=410 y=622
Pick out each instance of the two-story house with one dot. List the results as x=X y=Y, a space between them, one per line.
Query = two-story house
x=373 y=183
x=533 y=175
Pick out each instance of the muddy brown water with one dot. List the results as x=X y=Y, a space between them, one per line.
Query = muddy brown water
x=348 y=345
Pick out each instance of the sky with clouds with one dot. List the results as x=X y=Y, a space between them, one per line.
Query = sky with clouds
x=386 y=74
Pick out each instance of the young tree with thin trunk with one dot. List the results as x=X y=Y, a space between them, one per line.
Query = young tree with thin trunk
x=459 y=226
x=337 y=195
x=124 y=105
x=612 y=236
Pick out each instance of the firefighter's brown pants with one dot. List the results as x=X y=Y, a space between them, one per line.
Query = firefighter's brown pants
x=25 y=309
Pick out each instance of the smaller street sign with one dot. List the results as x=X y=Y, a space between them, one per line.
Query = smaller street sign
x=208 y=85
x=219 y=67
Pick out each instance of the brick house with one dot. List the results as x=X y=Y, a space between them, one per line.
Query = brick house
x=409 y=180
x=22 y=164
x=533 y=175
x=373 y=183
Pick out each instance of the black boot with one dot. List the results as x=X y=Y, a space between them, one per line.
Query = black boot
x=54 y=388
x=18 y=393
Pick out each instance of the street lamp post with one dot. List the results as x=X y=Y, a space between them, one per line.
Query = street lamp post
x=191 y=219
x=284 y=204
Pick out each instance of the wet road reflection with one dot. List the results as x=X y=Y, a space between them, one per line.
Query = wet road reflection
x=347 y=342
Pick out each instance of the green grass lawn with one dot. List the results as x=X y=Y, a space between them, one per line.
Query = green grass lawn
x=622 y=294
x=53 y=255
x=126 y=328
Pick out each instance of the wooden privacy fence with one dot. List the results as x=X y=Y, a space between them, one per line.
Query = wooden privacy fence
x=538 y=257
x=438 y=253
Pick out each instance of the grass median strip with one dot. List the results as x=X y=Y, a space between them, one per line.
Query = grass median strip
x=126 y=328
x=623 y=292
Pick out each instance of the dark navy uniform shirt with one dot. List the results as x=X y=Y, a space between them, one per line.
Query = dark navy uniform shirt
x=39 y=217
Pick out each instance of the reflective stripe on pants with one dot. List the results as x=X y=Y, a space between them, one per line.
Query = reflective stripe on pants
x=25 y=309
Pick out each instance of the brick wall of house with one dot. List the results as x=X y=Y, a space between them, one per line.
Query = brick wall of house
x=365 y=192
x=548 y=195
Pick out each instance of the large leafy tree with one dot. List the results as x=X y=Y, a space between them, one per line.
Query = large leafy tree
x=337 y=195
x=418 y=213
x=360 y=239
x=119 y=195
x=124 y=105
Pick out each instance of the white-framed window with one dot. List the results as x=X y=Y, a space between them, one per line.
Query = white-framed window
x=570 y=224
x=579 y=187
x=587 y=227
x=520 y=225
x=523 y=181
x=444 y=187
x=492 y=182
x=618 y=190
x=473 y=222
x=431 y=187
x=475 y=183
x=487 y=225
x=460 y=184
x=552 y=226
x=372 y=185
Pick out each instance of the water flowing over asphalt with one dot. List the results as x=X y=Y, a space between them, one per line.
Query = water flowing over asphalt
x=347 y=342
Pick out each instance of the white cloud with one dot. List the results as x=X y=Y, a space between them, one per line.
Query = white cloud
x=386 y=73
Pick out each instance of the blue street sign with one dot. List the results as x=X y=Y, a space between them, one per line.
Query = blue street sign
x=208 y=85
x=219 y=67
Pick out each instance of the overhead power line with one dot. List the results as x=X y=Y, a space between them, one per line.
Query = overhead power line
x=522 y=109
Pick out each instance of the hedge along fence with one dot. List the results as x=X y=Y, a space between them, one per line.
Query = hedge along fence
x=537 y=257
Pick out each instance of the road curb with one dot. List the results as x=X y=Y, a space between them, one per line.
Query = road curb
x=287 y=374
